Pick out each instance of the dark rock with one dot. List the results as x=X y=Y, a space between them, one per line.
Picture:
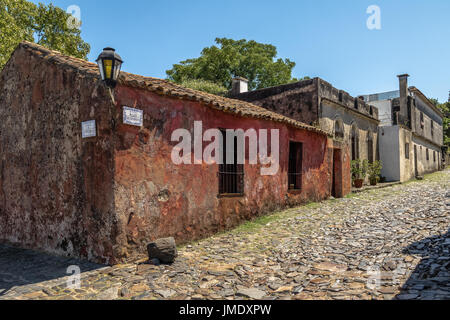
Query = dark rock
x=165 y=250
x=155 y=262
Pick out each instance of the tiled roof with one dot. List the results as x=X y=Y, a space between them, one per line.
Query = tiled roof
x=170 y=89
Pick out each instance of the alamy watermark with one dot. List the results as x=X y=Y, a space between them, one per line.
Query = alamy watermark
x=74 y=20
x=377 y=277
x=374 y=20
x=190 y=149
x=74 y=280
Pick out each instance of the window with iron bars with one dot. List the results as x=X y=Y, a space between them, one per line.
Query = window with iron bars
x=295 y=165
x=231 y=175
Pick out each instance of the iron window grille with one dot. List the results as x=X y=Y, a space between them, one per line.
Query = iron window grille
x=231 y=176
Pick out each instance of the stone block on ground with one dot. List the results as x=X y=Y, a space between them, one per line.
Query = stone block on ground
x=165 y=250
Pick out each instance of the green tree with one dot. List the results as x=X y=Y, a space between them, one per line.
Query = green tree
x=205 y=86
x=54 y=30
x=230 y=58
x=46 y=25
x=16 y=24
x=445 y=108
x=434 y=101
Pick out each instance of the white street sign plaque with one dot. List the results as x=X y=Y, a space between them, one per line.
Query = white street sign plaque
x=88 y=129
x=133 y=117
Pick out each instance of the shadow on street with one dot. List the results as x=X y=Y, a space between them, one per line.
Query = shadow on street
x=431 y=278
x=19 y=267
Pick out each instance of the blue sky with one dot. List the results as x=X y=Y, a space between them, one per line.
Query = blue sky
x=326 y=38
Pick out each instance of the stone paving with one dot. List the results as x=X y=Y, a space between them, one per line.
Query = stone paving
x=391 y=243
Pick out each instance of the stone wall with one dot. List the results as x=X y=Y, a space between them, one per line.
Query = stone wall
x=55 y=189
x=327 y=91
x=299 y=101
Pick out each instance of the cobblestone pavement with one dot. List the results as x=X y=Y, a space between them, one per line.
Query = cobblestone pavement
x=391 y=243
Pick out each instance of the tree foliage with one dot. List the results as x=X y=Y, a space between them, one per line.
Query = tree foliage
x=46 y=25
x=229 y=58
x=205 y=86
x=445 y=108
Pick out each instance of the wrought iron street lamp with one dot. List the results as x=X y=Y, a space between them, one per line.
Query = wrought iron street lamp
x=109 y=63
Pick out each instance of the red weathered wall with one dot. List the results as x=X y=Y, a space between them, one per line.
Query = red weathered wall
x=156 y=198
x=105 y=198
x=55 y=188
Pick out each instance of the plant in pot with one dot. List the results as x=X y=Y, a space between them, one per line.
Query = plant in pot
x=374 y=170
x=359 y=172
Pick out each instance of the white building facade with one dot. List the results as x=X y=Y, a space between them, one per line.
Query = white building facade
x=410 y=133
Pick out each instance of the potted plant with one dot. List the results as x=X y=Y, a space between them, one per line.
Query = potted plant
x=374 y=170
x=359 y=172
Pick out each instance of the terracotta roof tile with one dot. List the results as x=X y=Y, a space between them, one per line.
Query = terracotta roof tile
x=168 y=88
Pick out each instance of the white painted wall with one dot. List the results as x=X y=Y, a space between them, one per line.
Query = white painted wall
x=389 y=152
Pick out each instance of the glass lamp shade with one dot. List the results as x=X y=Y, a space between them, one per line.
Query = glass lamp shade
x=109 y=64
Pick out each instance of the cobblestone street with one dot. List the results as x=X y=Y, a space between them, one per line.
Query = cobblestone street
x=391 y=243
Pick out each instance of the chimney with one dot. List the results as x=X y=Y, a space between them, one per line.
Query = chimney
x=403 y=78
x=239 y=85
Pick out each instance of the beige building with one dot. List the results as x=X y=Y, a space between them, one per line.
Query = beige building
x=410 y=132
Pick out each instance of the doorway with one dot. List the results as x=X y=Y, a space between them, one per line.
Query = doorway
x=416 y=169
x=336 y=182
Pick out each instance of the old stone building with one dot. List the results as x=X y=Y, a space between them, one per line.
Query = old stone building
x=410 y=133
x=351 y=121
x=105 y=191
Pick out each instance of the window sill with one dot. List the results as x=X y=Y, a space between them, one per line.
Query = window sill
x=295 y=191
x=230 y=195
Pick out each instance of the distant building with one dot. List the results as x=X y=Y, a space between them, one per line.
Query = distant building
x=410 y=133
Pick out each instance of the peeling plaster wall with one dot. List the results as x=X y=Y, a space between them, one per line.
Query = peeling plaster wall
x=425 y=166
x=406 y=163
x=429 y=116
x=55 y=189
x=332 y=112
x=105 y=198
x=155 y=198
